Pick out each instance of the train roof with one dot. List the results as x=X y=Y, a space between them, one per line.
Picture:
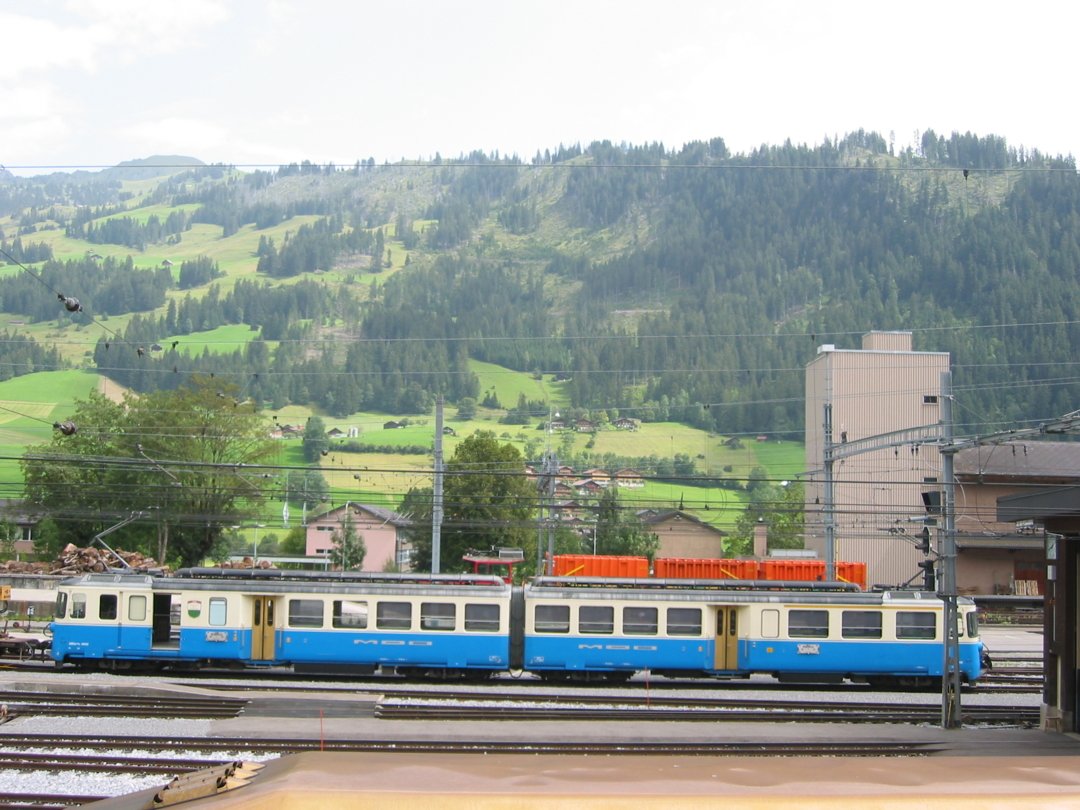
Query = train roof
x=281 y=581
x=728 y=591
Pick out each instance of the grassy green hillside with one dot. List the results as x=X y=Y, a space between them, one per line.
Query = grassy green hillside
x=28 y=407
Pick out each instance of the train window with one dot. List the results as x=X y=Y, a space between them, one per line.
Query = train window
x=437 y=616
x=348 y=613
x=808 y=623
x=860 y=624
x=394 y=616
x=916 y=624
x=482 y=618
x=640 y=621
x=305 y=613
x=552 y=619
x=684 y=621
x=597 y=619
x=78 y=606
x=107 y=603
x=61 y=605
x=973 y=624
x=219 y=611
x=137 y=608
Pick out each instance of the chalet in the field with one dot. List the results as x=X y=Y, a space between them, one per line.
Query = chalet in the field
x=683 y=535
x=629 y=479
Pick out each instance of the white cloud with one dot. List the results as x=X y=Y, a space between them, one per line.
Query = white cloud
x=34 y=46
x=188 y=136
x=135 y=27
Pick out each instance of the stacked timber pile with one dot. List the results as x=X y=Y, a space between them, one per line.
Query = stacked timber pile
x=74 y=560
x=247 y=562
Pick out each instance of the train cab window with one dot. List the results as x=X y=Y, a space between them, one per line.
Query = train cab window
x=61 y=605
x=107 y=603
x=349 y=613
x=137 y=608
x=973 y=625
x=860 y=624
x=640 y=621
x=808 y=623
x=394 y=616
x=920 y=624
x=482 y=618
x=596 y=619
x=78 y=606
x=219 y=611
x=437 y=616
x=552 y=619
x=684 y=621
x=306 y=612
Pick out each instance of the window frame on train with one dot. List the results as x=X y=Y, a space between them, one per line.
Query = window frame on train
x=806 y=623
x=861 y=624
x=479 y=619
x=440 y=617
x=682 y=629
x=640 y=620
x=350 y=614
x=108 y=606
x=217 y=612
x=137 y=614
x=390 y=616
x=306 y=613
x=908 y=629
x=554 y=619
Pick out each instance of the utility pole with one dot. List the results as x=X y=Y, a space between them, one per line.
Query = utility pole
x=830 y=511
x=549 y=470
x=946 y=580
x=437 y=491
x=552 y=473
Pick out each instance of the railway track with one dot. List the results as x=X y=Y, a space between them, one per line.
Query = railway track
x=588 y=708
x=78 y=704
x=44 y=801
x=13 y=745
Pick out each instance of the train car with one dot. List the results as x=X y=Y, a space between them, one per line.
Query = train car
x=607 y=629
x=364 y=622
x=570 y=628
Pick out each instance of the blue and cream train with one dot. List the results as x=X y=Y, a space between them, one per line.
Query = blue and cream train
x=468 y=625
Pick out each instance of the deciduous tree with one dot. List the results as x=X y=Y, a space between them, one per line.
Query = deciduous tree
x=187 y=460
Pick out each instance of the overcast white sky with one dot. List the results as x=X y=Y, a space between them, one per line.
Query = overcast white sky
x=95 y=82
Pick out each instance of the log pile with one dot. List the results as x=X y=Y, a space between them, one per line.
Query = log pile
x=247 y=562
x=74 y=560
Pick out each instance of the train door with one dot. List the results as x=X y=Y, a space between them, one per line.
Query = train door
x=727 y=638
x=263 y=624
x=166 y=620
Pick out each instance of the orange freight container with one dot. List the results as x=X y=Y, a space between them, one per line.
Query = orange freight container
x=793 y=570
x=705 y=568
x=589 y=565
x=852 y=572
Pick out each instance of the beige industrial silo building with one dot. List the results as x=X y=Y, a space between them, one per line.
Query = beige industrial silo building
x=881 y=388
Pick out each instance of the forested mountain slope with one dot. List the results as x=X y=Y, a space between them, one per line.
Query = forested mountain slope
x=689 y=285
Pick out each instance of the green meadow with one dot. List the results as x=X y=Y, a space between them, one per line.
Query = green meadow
x=28 y=407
